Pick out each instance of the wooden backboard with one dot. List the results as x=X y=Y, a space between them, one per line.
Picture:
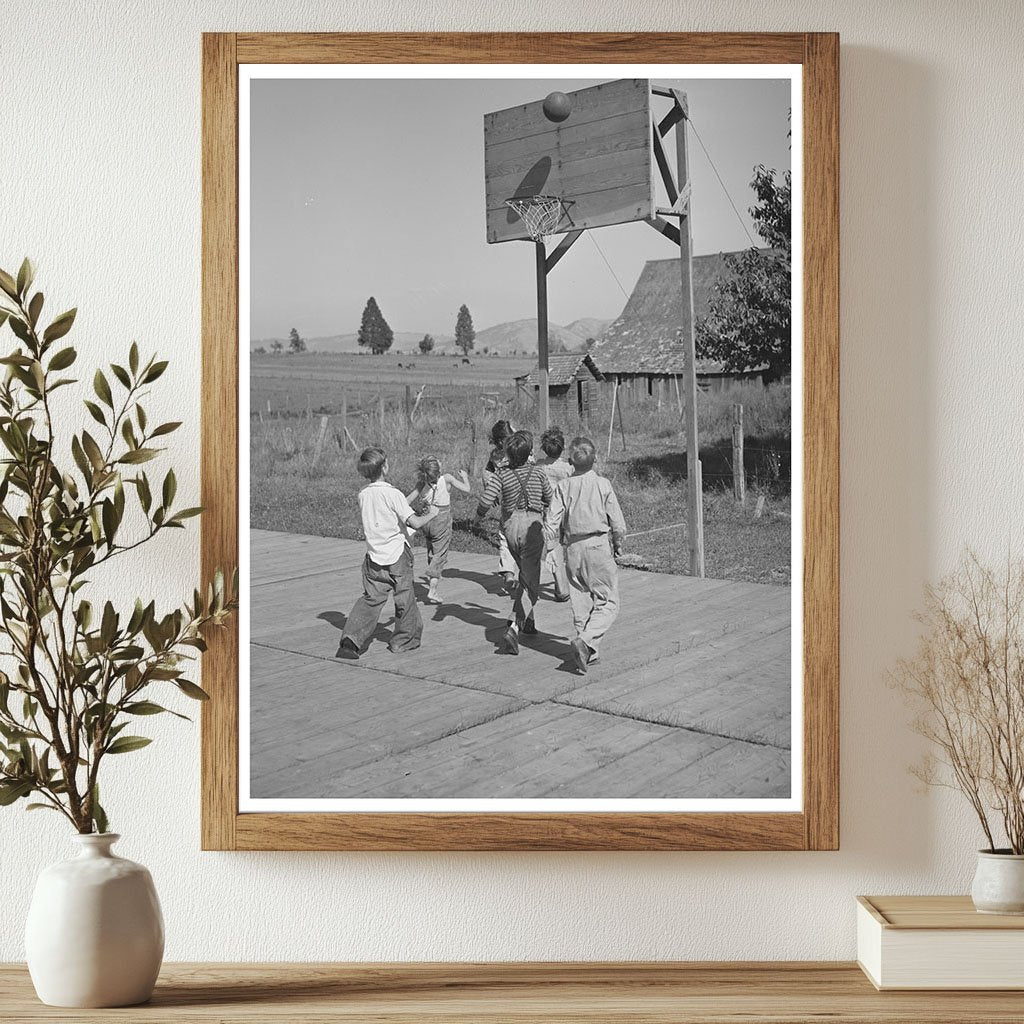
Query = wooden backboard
x=599 y=159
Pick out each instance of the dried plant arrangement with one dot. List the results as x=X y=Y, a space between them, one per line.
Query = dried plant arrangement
x=80 y=671
x=966 y=681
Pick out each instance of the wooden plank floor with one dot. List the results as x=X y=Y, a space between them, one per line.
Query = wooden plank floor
x=691 y=698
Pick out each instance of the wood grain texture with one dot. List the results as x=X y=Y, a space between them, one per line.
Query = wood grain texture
x=219 y=433
x=526 y=993
x=942 y=913
x=821 y=441
x=521 y=48
x=818 y=826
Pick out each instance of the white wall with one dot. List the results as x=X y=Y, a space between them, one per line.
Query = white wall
x=99 y=181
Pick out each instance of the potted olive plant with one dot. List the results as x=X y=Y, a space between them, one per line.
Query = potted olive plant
x=79 y=672
x=967 y=682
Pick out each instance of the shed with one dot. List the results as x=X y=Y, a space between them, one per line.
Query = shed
x=570 y=375
x=643 y=343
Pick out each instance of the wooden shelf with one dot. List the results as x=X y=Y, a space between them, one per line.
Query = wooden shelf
x=636 y=993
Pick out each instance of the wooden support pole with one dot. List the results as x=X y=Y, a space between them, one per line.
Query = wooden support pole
x=695 y=497
x=611 y=419
x=622 y=426
x=739 y=477
x=542 y=332
x=344 y=415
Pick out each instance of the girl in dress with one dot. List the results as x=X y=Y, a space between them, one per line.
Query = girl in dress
x=433 y=492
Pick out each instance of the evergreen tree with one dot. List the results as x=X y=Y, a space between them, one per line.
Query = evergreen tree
x=295 y=343
x=374 y=332
x=426 y=344
x=748 y=324
x=465 y=335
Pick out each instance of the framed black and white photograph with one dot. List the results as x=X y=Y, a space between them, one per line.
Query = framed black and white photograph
x=523 y=384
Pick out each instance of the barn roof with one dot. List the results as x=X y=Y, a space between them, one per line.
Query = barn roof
x=563 y=369
x=645 y=337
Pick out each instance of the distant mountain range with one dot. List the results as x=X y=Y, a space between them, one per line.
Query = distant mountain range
x=514 y=338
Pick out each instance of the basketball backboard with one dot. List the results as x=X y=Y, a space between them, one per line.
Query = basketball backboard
x=598 y=160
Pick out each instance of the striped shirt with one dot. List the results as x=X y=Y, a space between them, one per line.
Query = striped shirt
x=524 y=488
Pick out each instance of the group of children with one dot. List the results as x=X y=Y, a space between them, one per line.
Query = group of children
x=553 y=511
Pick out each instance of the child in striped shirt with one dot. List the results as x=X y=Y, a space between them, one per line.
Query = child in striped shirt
x=523 y=493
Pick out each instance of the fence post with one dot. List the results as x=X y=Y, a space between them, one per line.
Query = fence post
x=344 y=416
x=472 y=450
x=321 y=437
x=739 y=477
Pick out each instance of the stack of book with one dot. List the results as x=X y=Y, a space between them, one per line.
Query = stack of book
x=938 y=942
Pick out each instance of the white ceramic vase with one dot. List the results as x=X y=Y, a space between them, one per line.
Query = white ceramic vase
x=95 y=934
x=999 y=883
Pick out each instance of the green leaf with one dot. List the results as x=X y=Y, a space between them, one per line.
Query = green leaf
x=34 y=308
x=95 y=412
x=145 y=497
x=133 y=358
x=121 y=374
x=170 y=488
x=165 y=428
x=128 y=433
x=84 y=614
x=154 y=372
x=11 y=791
x=92 y=449
x=99 y=816
x=81 y=461
x=126 y=744
x=102 y=388
x=20 y=328
x=185 y=513
x=140 y=415
x=63 y=359
x=191 y=690
x=8 y=284
x=26 y=274
x=41 y=807
x=139 y=455
x=108 y=627
x=60 y=326
x=109 y=521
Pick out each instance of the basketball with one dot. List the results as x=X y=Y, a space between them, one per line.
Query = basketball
x=557 y=106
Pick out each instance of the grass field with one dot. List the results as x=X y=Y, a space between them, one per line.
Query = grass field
x=301 y=487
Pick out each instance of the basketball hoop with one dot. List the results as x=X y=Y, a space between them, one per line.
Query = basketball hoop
x=540 y=214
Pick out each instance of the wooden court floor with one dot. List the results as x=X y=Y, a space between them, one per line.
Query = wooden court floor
x=691 y=698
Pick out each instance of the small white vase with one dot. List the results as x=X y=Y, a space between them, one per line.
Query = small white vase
x=999 y=883
x=95 y=934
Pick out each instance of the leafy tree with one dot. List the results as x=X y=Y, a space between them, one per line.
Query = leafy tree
x=259 y=350
x=748 y=324
x=295 y=343
x=465 y=335
x=590 y=343
x=276 y=347
x=426 y=344
x=374 y=332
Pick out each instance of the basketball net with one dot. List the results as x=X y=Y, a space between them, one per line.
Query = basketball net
x=540 y=214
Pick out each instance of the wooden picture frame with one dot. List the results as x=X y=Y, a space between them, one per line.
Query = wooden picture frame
x=816 y=826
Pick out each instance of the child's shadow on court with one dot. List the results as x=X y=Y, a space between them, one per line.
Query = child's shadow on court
x=338 y=620
x=494 y=623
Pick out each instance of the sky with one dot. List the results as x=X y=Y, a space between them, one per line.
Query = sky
x=365 y=187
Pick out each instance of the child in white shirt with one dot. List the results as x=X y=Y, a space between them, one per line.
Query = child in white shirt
x=387 y=568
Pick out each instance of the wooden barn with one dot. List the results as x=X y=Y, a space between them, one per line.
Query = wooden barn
x=641 y=349
x=570 y=377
